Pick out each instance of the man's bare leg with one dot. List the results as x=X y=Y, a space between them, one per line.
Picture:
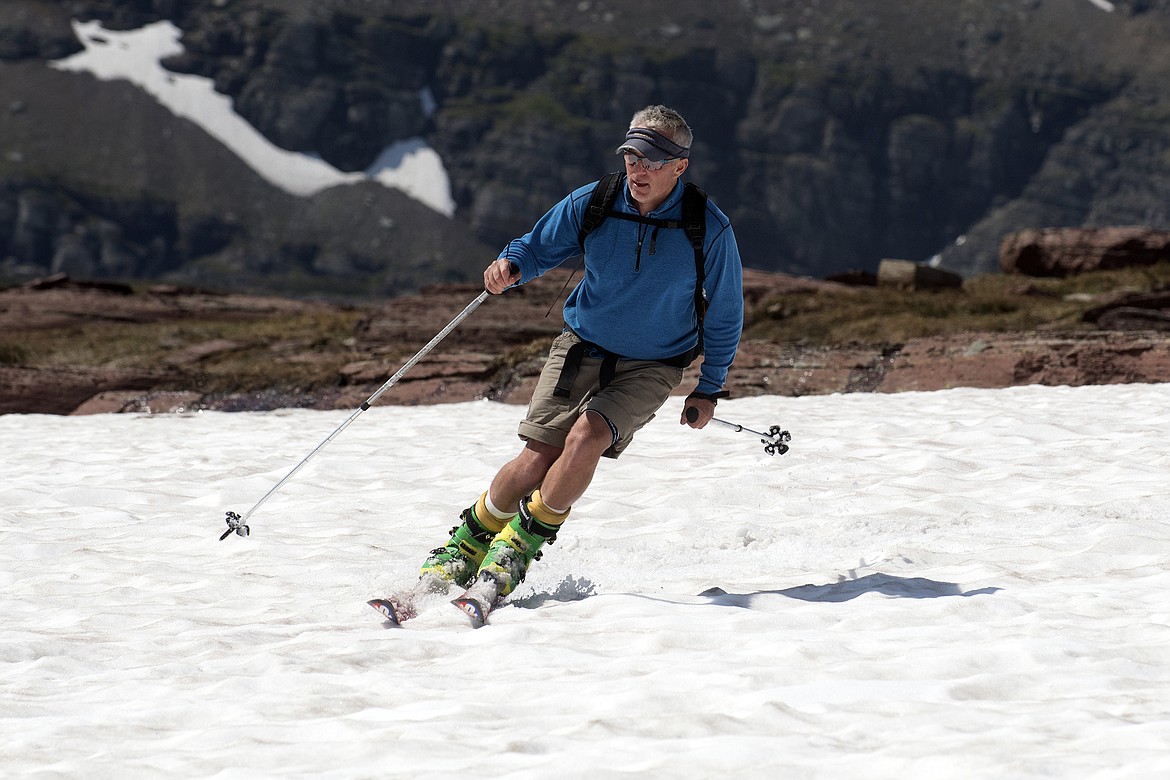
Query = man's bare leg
x=570 y=474
x=522 y=475
x=561 y=475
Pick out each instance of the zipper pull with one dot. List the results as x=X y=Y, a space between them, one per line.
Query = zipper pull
x=638 y=251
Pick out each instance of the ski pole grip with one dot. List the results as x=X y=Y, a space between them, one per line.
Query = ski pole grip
x=692 y=414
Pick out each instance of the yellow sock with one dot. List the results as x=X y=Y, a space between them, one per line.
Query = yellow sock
x=487 y=518
x=542 y=512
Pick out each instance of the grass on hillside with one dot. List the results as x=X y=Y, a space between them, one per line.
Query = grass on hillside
x=299 y=352
x=996 y=303
x=269 y=353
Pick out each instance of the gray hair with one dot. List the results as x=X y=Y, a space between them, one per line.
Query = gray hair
x=666 y=121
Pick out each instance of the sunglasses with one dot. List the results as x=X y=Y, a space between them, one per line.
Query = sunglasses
x=634 y=160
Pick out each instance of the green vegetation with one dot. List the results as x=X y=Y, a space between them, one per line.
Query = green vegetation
x=271 y=352
x=994 y=303
x=12 y=354
x=292 y=349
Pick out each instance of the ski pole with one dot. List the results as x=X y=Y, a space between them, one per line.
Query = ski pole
x=239 y=523
x=774 y=440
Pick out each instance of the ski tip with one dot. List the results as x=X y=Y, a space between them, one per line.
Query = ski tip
x=473 y=609
x=386 y=610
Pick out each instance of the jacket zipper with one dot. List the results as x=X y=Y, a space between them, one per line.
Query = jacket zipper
x=638 y=252
x=642 y=228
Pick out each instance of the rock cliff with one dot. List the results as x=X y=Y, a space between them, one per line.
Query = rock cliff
x=834 y=132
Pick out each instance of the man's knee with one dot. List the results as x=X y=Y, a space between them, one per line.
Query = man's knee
x=539 y=456
x=593 y=432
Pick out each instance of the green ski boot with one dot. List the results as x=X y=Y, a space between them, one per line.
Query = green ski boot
x=514 y=548
x=458 y=560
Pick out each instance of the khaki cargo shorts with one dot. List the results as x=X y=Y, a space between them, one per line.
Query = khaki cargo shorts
x=637 y=391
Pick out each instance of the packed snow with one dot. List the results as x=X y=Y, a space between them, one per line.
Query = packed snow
x=960 y=584
x=135 y=56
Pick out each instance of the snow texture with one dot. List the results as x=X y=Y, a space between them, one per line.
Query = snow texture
x=961 y=584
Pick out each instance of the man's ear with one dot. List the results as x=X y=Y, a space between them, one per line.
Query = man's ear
x=683 y=164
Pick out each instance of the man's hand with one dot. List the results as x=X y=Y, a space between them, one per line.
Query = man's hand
x=500 y=275
x=697 y=412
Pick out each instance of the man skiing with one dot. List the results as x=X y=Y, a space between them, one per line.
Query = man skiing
x=653 y=298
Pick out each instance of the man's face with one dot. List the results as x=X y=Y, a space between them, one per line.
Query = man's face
x=649 y=188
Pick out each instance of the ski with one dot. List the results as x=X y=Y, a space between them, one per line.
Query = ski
x=397 y=608
x=479 y=600
x=476 y=602
x=475 y=609
x=386 y=608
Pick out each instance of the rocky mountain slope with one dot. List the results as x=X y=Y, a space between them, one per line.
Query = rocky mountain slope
x=834 y=132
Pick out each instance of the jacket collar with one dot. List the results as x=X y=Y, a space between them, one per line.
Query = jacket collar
x=672 y=200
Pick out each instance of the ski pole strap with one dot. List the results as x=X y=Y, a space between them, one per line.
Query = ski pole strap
x=712 y=397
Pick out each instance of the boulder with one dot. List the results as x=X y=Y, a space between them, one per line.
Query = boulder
x=908 y=275
x=1066 y=251
x=1133 y=311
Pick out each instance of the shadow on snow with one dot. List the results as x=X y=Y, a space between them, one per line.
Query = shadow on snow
x=849 y=589
x=578 y=589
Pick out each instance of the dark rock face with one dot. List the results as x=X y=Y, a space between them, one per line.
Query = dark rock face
x=833 y=135
x=34 y=31
x=343 y=86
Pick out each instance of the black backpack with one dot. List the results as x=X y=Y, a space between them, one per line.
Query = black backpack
x=694 y=222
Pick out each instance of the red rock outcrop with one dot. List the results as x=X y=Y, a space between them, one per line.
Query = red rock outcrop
x=1071 y=250
x=497 y=352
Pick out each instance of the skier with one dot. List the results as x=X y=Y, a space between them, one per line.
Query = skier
x=657 y=292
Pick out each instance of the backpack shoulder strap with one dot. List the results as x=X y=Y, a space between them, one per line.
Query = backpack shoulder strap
x=694 y=222
x=600 y=204
x=694 y=214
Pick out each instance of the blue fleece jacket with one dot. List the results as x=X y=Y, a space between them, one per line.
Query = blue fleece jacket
x=637 y=297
